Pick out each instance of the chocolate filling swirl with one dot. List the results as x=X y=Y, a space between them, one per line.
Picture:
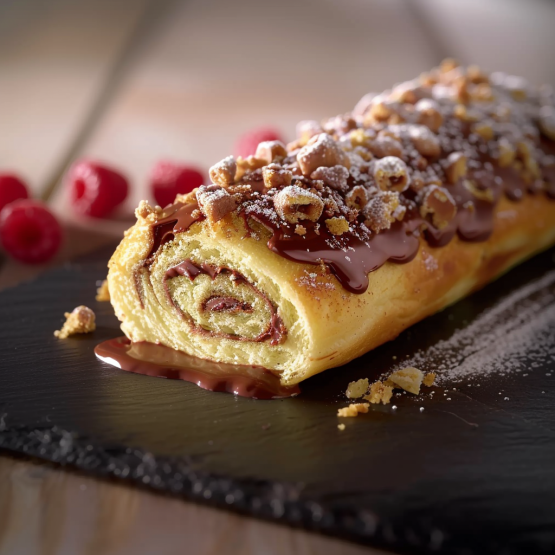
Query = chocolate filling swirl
x=224 y=304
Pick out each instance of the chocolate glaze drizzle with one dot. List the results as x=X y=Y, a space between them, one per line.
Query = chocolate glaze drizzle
x=159 y=361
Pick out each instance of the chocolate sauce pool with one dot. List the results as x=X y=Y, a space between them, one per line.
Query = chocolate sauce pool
x=162 y=362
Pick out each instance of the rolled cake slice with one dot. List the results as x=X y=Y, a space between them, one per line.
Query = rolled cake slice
x=301 y=258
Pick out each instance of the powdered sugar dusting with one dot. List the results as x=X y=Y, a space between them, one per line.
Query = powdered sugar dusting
x=513 y=336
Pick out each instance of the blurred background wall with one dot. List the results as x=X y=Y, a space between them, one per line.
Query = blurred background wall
x=131 y=81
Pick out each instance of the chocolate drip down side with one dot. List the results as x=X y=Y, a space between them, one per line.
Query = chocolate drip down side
x=275 y=330
x=159 y=361
x=351 y=256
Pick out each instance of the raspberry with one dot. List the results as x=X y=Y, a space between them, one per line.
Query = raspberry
x=29 y=231
x=95 y=189
x=247 y=143
x=11 y=188
x=169 y=179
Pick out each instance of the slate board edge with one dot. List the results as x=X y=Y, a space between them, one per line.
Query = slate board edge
x=269 y=500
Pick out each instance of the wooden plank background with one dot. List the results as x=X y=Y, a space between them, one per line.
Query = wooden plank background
x=133 y=81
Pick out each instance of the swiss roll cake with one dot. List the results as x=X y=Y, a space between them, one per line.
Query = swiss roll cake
x=306 y=255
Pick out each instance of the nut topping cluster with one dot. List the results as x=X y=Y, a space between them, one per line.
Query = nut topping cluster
x=426 y=150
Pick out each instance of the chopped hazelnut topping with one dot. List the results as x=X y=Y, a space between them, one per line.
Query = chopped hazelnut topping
x=357 y=197
x=429 y=379
x=379 y=110
x=353 y=410
x=506 y=153
x=379 y=393
x=337 y=226
x=482 y=194
x=275 y=176
x=300 y=230
x=360 y=137
x=384 y=145
x=321 y=150
x=270 y=151
x=336 y=177
x=103 y=293
x=449 y=64
x=424 y=140
x=485 y=130
x=391 y=174
x=147 y=212
x=438 y=202
x=215 y=202
x=455 y=167
x=294 y=204
x=341 y=427
x=357 y=389
x=80 y=320
x=307 y=129
x=382 y=210
x=223 y=173
x=248 y=164
x=409 y=379
x=429 y=114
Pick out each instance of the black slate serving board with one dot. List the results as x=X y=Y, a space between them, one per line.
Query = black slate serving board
x=472 y=473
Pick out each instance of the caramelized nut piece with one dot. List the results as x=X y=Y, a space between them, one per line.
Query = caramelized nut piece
x=223 y=173
x=360 y=137
x=385 y=145
x=353 y=409
x=335 y=177
x=363 y=104
x=429 y=114
x=526 y=151
x=507 y=152
x=147 y=212
x=294 y=204
x=380 y=393
x=455 y=167
x=103 y=292
x=379 y=110
x=270 y=151
x=357 y=197
x=357 y=389
x=482 y=194
x=249 y=164
x=307 y=129
x=448 y=65
x=482 y=93
x=337 y=226
x=547 y=121
x=275 y=176
x=409 y=379
x=517 y=87
x=382 y=210
x=80 y=320
x=321 y=150
x=485 y=130
x=391 y=174
x=439 y=203
x=425 y=141
x=215 y=202
x=476 y=75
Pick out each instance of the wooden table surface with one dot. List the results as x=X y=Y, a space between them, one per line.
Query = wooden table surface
x=133 y=81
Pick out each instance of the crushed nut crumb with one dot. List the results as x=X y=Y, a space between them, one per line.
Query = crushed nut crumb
x=353 y=410
x=81 y=320
x=103 y=293
x=357 y=389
